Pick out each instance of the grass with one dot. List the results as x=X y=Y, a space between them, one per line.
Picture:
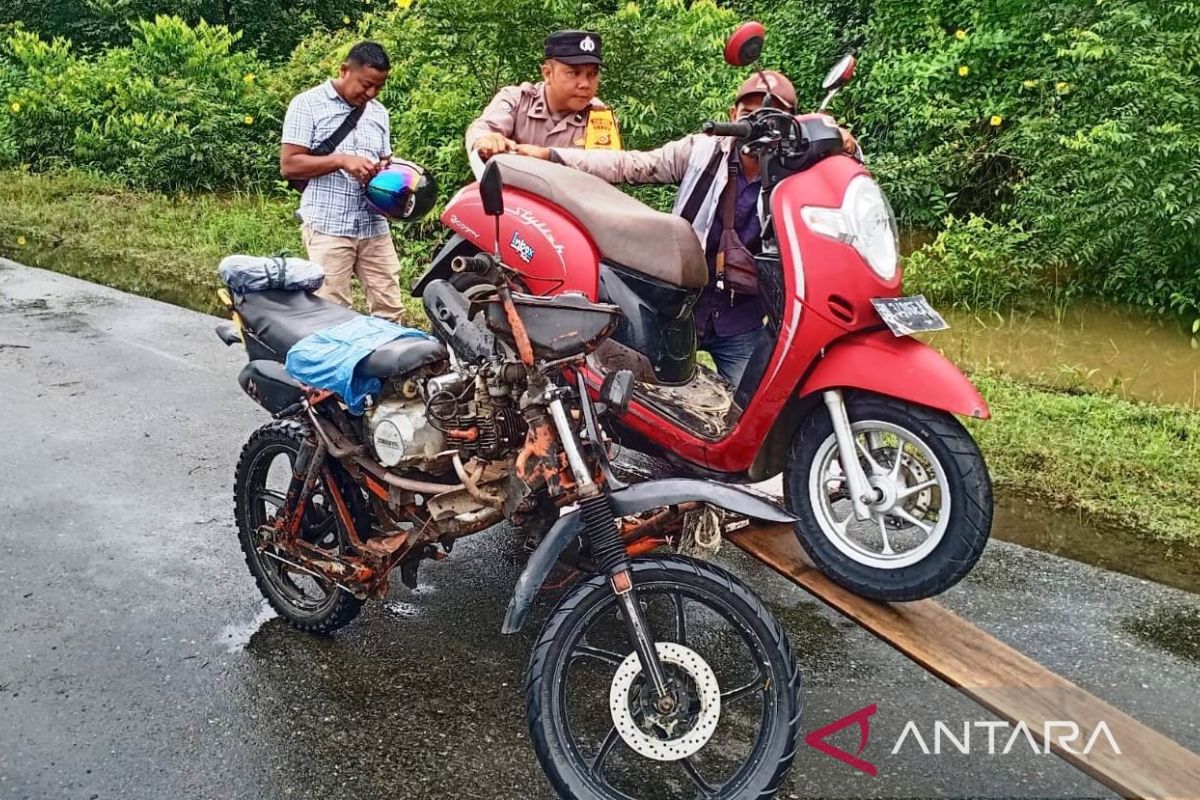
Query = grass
x=163 y=247
x=1136 y=465
x=1131 y=464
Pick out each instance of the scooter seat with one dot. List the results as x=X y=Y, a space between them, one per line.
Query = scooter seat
x=627 y=232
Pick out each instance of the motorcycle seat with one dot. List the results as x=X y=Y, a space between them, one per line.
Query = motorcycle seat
x=626 y=231
x=280 y=318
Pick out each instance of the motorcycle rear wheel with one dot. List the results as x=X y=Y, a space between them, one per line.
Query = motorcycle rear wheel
x=309 y=603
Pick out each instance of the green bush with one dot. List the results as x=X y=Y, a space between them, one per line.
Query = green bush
x=271 y=27
x=176 y=109
x=976 y=263
x=1060 y=140
x=1077 y=123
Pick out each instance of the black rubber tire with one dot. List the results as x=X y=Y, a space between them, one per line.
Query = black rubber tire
x=466 y=281
x=970 y=522
x=545 y=685
x=341 y=607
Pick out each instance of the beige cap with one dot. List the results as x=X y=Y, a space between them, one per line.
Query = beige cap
x=779 y=86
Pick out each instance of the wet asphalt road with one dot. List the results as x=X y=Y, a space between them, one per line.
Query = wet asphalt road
x=137 y=661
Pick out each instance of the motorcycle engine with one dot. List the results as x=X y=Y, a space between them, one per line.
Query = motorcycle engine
x=477 y=411
x=401 y=433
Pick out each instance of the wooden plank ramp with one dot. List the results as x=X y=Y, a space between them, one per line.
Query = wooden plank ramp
x=998 y=677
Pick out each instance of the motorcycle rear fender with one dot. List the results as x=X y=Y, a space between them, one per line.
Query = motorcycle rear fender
x=269 y=385
x=439 y=268
x=630 y=500
x=896 y=366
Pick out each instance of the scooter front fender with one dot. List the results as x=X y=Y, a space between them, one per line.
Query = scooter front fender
x=630 y=500
x=896 y=366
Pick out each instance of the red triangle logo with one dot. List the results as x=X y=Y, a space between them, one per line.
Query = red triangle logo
x=862 y=718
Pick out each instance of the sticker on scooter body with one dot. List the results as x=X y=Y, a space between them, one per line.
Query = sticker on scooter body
x=908 y=315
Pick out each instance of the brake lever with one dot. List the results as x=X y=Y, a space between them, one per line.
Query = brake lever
x=761 y=142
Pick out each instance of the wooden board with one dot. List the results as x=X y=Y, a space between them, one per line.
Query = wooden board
x=1006 y=682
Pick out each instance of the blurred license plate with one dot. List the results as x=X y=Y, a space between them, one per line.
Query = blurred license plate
x=908 y=315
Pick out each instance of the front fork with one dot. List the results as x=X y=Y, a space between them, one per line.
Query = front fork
x=862 y=494
x=608 y=551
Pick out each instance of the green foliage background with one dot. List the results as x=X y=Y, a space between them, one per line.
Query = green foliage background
x=1053 y=148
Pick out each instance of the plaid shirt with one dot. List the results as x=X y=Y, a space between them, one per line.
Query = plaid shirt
x=333 y=204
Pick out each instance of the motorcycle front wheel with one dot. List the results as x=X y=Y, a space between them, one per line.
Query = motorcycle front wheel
x=594 y=725
x=932 y=511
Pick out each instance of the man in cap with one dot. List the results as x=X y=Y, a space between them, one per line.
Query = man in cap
x=560 y=111
x=728 y=325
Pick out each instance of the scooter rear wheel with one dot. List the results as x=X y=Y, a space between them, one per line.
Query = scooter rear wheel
x=932 y=510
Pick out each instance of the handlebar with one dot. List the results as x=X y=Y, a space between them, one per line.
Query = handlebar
x=740 y=130
x=478 y=264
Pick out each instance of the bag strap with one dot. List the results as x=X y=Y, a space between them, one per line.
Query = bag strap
x=692 y=207
x=329 y=145
x=728 y=202
x=348 y=124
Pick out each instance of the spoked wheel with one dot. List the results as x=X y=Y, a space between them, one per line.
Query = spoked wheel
x=931 y=510
x=730 y=726
x=308 y=601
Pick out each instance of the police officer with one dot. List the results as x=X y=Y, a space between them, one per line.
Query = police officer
x=560 y=111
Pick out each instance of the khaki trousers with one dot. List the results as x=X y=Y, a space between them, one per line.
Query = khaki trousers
x=373 y=260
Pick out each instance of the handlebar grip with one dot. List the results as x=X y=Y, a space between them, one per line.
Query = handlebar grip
x=741 y=130
x=479 y=263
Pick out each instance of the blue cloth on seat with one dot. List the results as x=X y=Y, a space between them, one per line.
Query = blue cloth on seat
x=326 y=359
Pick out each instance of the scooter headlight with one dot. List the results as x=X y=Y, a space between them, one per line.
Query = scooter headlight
x=864 y=221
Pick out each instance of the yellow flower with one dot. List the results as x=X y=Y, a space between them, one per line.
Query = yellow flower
x=248 y=77
x=1029 y=84
x=996 y=120
x=20 y=241
x=404 y=3
x=964 y=71
x=960 y=34
x=249 y=120
x=1062 y=86
x=345 y=20
x=16 y=108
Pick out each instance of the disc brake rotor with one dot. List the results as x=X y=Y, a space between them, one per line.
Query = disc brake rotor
x=914 y=473
x=650 y=744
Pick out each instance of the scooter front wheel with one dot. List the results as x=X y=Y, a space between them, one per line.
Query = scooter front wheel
x=732 y=725
x=930 y=512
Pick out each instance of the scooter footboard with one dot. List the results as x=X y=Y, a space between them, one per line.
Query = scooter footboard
x=625 y=501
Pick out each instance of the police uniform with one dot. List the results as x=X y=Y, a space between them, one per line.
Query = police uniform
x=522 y=113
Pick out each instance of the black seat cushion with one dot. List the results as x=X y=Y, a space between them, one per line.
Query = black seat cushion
x=280 y=318
x=401 y=356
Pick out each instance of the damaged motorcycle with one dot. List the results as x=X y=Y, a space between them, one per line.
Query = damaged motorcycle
x=651 y=673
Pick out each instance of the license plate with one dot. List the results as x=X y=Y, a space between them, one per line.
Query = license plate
x=908 y=315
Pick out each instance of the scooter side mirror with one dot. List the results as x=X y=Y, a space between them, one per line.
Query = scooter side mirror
x=840 y=74
x=491 y=190
x=745 y=44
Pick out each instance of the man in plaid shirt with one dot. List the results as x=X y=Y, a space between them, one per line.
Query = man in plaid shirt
x=340 y=231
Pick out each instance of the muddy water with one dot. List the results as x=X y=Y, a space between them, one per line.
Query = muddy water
x=1134 y=355
x=1031 y=524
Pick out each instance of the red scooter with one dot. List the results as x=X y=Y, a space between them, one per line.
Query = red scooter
x=891 y=494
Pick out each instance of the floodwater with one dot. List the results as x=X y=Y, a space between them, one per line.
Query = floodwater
x=1127 y=352
x=1031 y=523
